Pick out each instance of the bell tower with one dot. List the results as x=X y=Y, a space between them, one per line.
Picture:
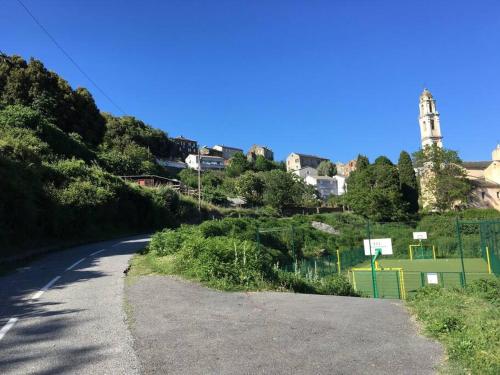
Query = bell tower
x=430 y=129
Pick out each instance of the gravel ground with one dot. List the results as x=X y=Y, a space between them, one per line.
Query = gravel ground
x=181 y=327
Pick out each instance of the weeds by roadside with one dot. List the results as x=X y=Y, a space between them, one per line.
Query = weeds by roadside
x=466 y=321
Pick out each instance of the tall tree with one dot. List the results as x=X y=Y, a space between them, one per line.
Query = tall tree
x=250 y=186
x=443 y=181
x=327 y=168
x=261 y=164
x=362 y=162
x=373 y=191
x=238 y=164
x=408 y=181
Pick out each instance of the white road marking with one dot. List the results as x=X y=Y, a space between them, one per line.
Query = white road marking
x=138 y=240
x=45 y=288
x=97 y=252
x=75 y=264
x=6 y=327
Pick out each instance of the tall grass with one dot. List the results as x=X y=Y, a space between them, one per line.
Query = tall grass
x=467 y=322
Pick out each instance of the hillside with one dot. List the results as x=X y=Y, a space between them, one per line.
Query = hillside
x=59 y=157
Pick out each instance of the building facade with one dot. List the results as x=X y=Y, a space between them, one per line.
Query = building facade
x=207 y=162
x=485 y=179
x=210 y=151
x=304 y=172
x=227 y=152
x=345 y=169
x=296 y=161
x=183 y=147
x=257 y=150
x=326 y=186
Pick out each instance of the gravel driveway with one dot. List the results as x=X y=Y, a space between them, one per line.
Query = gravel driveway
x=181 y=327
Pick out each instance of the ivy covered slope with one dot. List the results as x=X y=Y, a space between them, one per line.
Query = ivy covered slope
x=58 y=159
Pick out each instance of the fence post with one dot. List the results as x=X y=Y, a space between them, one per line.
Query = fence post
x=459 y=237
x=374 y=274
x=338 y=261
x=488 y=259
x=293 y=243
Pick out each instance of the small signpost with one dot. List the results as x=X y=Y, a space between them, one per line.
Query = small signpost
x=432 y=278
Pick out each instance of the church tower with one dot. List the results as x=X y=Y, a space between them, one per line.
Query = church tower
x=430 y=129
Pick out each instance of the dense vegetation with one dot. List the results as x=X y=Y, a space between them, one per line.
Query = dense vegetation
x=272 y=187
x=58 y=160
x=212 y=251
x=227 y=255
x=466 y=321
x=382 y=191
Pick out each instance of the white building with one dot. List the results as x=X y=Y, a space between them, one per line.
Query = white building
x=304 y=172
x=207 y=162
x=227 y=152
x=326 y=185
x=171 y=163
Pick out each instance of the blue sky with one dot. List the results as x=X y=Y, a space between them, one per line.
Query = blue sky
x=332 y=78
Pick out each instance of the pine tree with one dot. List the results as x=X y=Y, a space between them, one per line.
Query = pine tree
x=408 y=182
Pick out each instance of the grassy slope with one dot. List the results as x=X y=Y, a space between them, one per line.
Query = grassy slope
x=467 y=322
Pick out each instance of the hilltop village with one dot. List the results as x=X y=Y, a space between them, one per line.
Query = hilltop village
x=329 y=178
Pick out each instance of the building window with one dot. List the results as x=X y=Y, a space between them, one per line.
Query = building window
x=498 y=194
x=432 y=124
x=482 y=195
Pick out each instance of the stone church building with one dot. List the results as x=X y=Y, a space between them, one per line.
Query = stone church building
x=484 y=175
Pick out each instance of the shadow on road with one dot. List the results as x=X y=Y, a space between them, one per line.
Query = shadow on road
x=47 y=322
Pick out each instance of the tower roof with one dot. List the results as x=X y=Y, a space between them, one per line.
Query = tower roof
x=426 y=94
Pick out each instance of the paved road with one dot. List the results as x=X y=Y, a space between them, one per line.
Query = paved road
x=76 y=325
x=183 y=328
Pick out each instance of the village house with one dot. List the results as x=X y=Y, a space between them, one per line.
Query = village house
x=296 y=161
x=326 y=186
x=183 y=147
x=257 y=150
x=345 y=169
x=304 y=172
x=227 y=152
x=485 y=178
x=207 y=162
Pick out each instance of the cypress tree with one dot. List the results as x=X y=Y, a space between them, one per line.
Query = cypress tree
x=408 y=181
x=362 y=162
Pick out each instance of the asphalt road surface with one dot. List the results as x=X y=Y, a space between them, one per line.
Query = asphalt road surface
x=181 y=327
x=64 y=314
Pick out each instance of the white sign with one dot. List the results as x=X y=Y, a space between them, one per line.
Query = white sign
x=432 y=278
x=384 y=244
x=419 y=235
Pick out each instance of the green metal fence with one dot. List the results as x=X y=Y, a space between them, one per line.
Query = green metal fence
x=310 y=252
x=455 y=253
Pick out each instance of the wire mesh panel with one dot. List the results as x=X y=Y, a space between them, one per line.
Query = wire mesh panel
x=421 y=252
x=389 y=283
x=490 y=245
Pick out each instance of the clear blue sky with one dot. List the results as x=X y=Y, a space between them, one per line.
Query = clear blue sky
x=333 y=78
